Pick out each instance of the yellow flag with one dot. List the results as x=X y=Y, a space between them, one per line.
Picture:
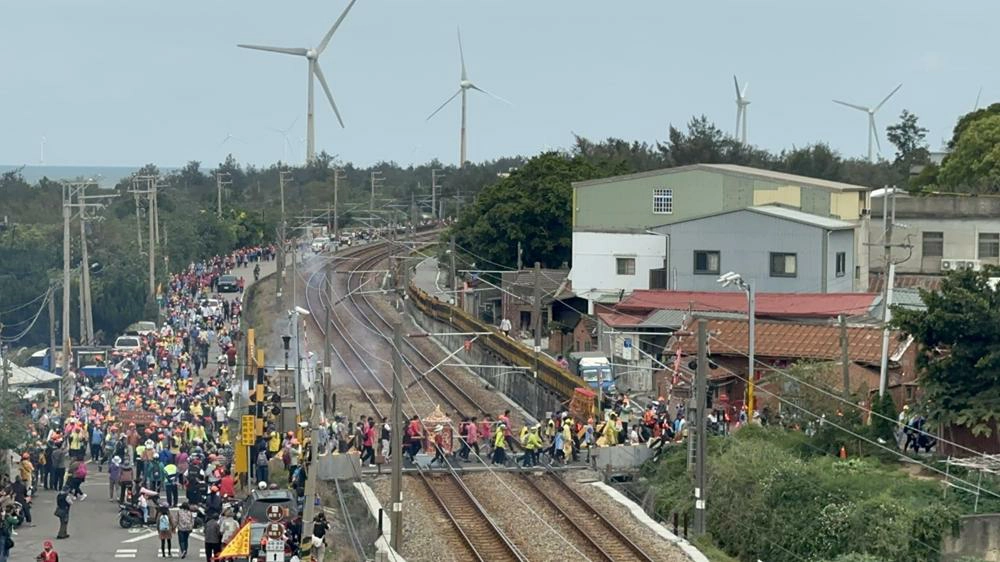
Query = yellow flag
x=239 y=545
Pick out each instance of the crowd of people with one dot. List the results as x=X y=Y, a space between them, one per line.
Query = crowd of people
x=158 y=423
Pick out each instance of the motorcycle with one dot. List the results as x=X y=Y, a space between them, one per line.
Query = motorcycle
x=129 y=516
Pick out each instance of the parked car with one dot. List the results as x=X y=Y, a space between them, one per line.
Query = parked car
x=127 y=344
x=211 y=307
x=228 y=284
x=320 y=244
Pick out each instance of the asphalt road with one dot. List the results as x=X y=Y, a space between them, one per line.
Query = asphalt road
x=94 y=533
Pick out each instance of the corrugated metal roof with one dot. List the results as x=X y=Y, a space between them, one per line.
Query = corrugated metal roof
x=795 y=215
x=674 y=318
x=797 y=341
x=733 y=169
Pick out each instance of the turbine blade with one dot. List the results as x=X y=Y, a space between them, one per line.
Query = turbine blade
x=858 y=107
x=474 y=87
x=435 y=112
x=461 y=54
x=322 y=82
x=874 y=132
x=336 y=24
x=745 y=88
x=737 y=84
x=978 y=95
x=887 y=97
x=282 y=50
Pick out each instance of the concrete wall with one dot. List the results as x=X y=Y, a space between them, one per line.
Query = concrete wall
x=745 y=241
x=594 y=261
x=961 y=240
x=519 y=385
x=979 y=538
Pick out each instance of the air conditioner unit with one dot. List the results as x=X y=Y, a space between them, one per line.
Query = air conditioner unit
x=949 y=265
x=954 y=264
x=974 y=265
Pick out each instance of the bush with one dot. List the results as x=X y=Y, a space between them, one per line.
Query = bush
x=768 y=500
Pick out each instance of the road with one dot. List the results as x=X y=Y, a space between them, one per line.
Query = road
x=94 y=533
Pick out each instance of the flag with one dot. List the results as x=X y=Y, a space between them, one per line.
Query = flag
x=239 y=545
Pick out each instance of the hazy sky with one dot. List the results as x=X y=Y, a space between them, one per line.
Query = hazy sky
x=133 y=81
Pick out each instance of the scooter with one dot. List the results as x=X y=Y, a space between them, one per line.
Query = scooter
x=129 y=516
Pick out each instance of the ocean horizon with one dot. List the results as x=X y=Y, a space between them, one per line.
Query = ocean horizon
x=106 y=176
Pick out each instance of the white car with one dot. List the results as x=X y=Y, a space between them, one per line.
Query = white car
x=320 y=244
x=127 y=344
x=211 y=307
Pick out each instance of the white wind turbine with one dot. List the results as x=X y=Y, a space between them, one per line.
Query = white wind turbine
x=312 y=55
x=872 y=130
x=287 y=143
x=463 y=86
x=741 y=110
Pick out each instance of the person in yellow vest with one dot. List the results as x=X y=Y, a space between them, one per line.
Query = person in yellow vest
x=224 y=435
x=500 y=445
x=523 y=435
x=196 y=410
x=532 y=444
x=610 y=432
x=274 y=443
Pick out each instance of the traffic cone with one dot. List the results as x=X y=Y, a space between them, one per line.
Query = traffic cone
x=843 y=452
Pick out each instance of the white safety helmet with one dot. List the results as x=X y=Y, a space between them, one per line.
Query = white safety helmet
x=262 y=485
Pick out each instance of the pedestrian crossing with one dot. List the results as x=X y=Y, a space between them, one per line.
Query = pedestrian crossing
x=175 y=553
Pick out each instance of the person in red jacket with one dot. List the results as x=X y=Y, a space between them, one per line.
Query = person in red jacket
x=48 y=553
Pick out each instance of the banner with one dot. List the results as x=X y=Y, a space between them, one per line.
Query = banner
x=239 y=545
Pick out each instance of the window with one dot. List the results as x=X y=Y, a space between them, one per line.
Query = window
x=625 y=266
x=989 y=245
x=933 y=244
x=783 y=265
x=706 y=262
x=841 y=264
x=663 y=201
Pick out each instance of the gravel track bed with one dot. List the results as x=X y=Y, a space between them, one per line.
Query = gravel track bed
x=651 y=543
x=427 y=532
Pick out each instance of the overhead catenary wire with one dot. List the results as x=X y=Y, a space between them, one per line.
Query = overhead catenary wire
x=858 y=436
x=34 y=320
x=841 y=399
x=26 y=304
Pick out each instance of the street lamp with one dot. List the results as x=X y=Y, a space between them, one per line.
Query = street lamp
x=737 y=280
x=294 y=315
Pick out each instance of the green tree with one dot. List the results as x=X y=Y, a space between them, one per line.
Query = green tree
x=909 y=139
x=959 y=354
x=974 y=163
x=530 y=206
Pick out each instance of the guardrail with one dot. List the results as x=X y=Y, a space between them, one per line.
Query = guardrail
x=550 y=374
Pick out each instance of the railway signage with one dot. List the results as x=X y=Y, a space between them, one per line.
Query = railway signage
x=275 y=531
x=275 y=513
x=247 y=430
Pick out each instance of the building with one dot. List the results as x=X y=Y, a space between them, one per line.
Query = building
x=935 y=234
x=517 y=296
x=616 y=250
x=775 y=248
x=783 y=344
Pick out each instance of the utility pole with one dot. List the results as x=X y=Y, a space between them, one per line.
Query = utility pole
x=138 y=221
x=337 y=174
x=377 y=180
x=282 y=242
x=520 y=255
x=697 y=421
x=222 y=180
x=52 y=327
x=396 y=433
x=845 y=364
x=888 y=278
x=435 y=176
x=327 y=358
x=453 y=274
x=156 y=214
x=536 y=321
x=67 y=344
x=86 y=318
x=312 y=499
x=152 y=235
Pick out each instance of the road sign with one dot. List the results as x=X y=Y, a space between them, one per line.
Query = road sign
x=275 y=531
x=246 y=430
x=275 y=513
x=275 y=545
x=627 y=349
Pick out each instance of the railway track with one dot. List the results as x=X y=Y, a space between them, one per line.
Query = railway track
x=482 y=539
x=598 y=537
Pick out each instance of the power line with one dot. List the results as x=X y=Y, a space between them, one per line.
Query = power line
x=26 y=305
x=33 y=321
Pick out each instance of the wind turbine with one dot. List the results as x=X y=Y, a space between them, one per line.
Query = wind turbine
x=872 y=130
x=464 y=85
x=312 y=55
x=284 y=133
x=741 y=110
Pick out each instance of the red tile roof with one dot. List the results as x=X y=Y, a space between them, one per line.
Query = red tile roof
x=619 y=320
x=796 y=341
x=816 y=305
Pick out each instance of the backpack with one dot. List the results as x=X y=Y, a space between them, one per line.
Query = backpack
x=163 y=524
x=262 y=458
x=81 y=470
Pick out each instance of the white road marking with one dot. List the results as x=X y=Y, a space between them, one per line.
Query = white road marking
x=148 y=535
